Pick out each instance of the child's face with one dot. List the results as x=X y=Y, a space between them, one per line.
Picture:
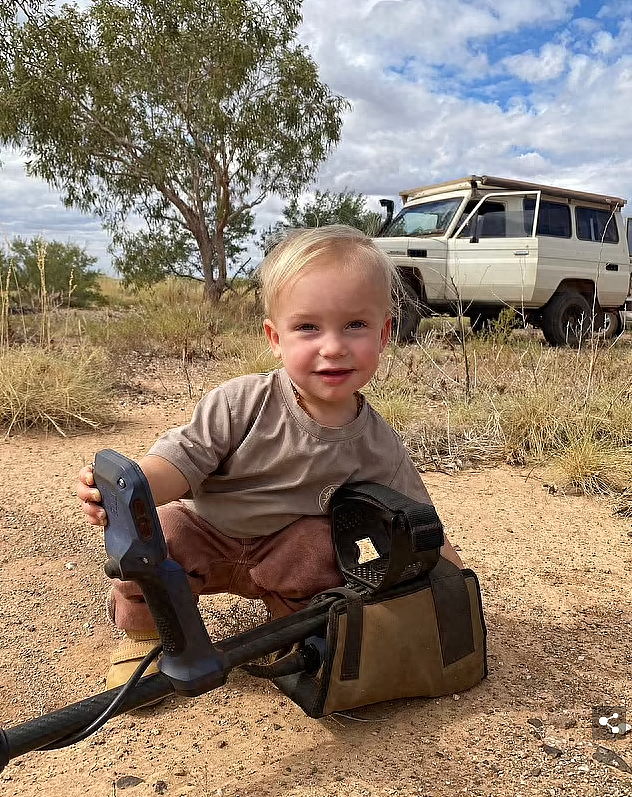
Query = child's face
x=329 y=327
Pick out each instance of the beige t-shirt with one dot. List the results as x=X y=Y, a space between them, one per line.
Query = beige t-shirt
x=255 y=461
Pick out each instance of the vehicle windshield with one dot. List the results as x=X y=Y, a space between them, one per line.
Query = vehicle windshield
x=429 y=218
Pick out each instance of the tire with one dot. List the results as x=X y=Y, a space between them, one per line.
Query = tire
x=566 y=319
x=407 y=314
x=612 y=325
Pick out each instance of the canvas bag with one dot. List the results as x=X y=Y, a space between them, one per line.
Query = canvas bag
x=408 y=624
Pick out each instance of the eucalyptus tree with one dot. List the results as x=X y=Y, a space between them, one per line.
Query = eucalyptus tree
x=187 y=113
x=324 y=207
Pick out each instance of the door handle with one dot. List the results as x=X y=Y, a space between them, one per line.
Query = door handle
x=521 y=252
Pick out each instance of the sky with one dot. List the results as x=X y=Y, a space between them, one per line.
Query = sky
x=539 y=90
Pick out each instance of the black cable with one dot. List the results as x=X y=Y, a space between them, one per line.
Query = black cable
x=111 y=710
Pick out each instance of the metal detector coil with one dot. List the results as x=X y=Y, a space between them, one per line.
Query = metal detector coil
x=405 y=535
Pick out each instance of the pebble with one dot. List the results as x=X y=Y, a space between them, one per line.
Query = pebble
x=611 y=759
x=128 y=780
x=554 y=752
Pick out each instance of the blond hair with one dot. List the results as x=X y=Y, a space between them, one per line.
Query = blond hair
x=342 y=245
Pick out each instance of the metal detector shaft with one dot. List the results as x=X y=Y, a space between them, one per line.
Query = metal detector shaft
x=240 y=649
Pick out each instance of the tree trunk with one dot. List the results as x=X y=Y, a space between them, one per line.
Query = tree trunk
x=208 y=259
x=220 y=262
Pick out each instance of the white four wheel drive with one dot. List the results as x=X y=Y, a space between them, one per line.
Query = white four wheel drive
x=477 y=245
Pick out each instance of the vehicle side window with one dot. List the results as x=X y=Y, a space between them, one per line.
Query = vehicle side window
x=489 y=222
x=554 y=218
x=596 y=225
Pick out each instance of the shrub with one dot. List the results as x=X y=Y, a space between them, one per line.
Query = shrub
x=49 y=389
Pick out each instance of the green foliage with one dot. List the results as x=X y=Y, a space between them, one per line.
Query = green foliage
x=187 y=113
x=165 y=250
x=502 y=327
x=344 y=207
x=66 y=271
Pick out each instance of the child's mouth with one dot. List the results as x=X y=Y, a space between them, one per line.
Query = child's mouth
x=331 y=376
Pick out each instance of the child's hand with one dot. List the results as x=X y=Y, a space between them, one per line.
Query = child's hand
x=89 y=496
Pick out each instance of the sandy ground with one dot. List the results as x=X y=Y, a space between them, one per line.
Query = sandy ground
x=554 y=572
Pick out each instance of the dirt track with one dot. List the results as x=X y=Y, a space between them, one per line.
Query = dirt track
x=554 y=571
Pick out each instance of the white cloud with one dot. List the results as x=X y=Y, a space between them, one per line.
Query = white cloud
x=547 y=64
x=525 y=88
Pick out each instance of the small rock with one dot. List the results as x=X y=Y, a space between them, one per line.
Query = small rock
x=160 y=787
x=179 y=772
x=554 y=752
x=537 y=723
x=127 y=781
x=456 y=697
x=611 y=759
x=222 y=743
x=70 y=565
x=535 y=773
x=570 y=724
x=277 y=727
x=583 y=768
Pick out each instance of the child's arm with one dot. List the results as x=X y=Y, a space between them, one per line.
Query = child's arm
x=164 y=479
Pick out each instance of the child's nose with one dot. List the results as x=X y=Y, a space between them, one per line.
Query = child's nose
x=332 y=345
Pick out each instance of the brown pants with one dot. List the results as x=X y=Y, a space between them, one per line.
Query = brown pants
x=284 y=569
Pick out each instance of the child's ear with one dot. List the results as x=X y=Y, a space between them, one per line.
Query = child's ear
x=385 y=335
x=273 y=337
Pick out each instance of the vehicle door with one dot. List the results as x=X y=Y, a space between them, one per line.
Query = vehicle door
x=493 y=254
x=416 y=241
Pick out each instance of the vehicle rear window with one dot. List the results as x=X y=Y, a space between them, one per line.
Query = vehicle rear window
x=554 y=218
x=596 y=225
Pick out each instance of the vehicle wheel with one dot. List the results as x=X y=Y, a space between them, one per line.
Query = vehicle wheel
x=612 y=325
x=566 y=319
x=407 y=314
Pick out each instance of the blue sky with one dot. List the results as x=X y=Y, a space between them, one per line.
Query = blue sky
x=534 y=89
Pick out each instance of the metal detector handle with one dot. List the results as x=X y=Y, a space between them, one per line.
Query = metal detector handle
x=137 y=551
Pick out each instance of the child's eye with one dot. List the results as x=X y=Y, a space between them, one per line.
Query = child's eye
x=306 y=327
x=357 y=324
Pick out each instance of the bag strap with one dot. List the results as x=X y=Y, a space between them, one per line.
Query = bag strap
x=297 y=661
x=423 y=520
x=350 y=666
x=453 y=609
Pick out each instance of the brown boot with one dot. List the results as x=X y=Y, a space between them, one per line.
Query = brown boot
x=125 y=658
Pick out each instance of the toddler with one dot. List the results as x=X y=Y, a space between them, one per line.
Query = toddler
x=243 y=489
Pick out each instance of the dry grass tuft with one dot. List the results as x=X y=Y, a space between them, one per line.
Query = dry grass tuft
x=48 y=389
x=594 y=466
x=395 y=400
x=519 y=401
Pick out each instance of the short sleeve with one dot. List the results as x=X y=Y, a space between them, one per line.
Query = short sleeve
x=197 y=448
